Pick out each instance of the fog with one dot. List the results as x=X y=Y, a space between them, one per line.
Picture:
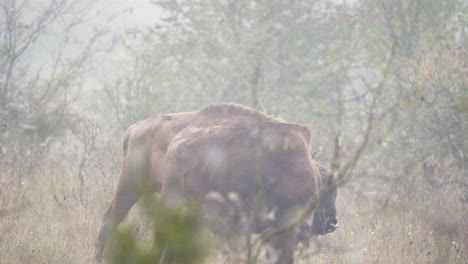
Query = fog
x=381 y=85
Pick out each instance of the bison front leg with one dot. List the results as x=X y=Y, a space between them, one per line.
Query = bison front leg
x=280 y=249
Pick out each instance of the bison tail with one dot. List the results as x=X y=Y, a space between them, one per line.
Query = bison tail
x=125 y=142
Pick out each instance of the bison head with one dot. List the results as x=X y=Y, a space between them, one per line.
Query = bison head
x=323 y=219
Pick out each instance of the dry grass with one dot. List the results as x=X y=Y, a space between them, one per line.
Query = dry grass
x=402 y=233
x=57 y=226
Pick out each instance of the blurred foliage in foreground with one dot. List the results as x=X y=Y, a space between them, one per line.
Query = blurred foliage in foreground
x=175 y=232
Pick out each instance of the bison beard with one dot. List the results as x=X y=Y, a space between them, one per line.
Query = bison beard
x=228 y=155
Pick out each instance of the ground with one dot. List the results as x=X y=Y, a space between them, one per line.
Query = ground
x=54 y=225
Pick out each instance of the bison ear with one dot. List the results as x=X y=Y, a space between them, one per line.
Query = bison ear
x=317 y=154
x=314 y=155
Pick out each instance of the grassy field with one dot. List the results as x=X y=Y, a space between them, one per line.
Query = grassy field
x=57 y=219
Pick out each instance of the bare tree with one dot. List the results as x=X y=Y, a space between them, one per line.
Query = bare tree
x=41 y=78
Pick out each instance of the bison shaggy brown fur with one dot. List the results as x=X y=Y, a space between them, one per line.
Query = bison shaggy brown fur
x=228 y=150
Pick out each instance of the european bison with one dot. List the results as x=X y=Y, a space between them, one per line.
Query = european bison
x=233 y=156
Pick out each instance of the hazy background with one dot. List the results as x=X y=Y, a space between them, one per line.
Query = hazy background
x=382 y=84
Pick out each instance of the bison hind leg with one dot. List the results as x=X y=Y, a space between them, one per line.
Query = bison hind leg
x=124 y=199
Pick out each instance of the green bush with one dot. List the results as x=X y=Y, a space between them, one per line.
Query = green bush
x=176 y=234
